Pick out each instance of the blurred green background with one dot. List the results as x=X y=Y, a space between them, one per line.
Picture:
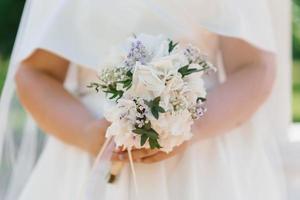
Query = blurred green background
x=296 y=60
x=11 y=10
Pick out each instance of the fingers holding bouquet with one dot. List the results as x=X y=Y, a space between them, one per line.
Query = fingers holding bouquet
x=148 y=156
x=137 y=154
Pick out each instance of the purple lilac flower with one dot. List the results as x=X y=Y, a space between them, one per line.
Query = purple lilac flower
x=142 y=111
x=137 y=53
x=198 y=110
x=193 y=54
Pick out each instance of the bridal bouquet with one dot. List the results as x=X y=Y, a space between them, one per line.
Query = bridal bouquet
x=158 y=91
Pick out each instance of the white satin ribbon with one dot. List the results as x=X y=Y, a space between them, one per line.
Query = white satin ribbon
x=133 y=173
x=98 y=160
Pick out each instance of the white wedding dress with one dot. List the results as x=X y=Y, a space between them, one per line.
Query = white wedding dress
x=243 y=164
x=233 y=166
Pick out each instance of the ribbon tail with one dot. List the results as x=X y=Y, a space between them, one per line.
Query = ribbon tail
x=133 y=173
x=84 y=194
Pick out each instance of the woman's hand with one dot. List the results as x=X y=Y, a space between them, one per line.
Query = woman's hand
x=148 y=155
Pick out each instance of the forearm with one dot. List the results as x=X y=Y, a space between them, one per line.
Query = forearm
x=56 y=111
x=235 y=101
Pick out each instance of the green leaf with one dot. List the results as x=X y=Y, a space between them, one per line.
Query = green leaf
x=115 y=93
x=144 y=139
x=113 y=96
x=154 y=107
x=161 y=109
x=185 y=70
x=154 y=112
x=112 y=88
x=156 y=100
x=129 y=74
x=95 y=86
x=172 y=45
x=126 y=83
x=154 y=144
x=152 y=134
x=140 y=131
x=147 y=126
x=201 y=99
x=148 y=134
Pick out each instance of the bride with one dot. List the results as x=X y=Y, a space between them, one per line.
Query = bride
x=61 y=44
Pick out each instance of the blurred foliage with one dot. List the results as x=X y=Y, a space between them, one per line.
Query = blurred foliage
x=10 y=13
x=3 y=70
x=296 y=91
x=296 y=56
x=296 y=29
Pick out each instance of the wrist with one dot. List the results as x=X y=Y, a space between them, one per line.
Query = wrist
x=94 y=134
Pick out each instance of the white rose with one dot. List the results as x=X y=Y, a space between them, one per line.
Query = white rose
x=122 y=133
x=173 y=129
x=173 y=124
x=166 y=66
x=124 y=107
x=163 y=66
x=174 y=84
x=196 y=84
x=146 y=82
